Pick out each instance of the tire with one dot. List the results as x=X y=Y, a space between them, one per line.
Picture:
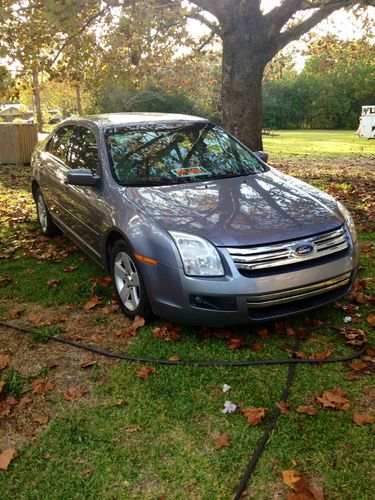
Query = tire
x=47 y=226
x=128 y=283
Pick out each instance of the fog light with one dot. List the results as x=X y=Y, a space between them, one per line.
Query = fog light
x=198 y=299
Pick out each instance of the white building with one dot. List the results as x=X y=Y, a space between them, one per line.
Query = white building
x=366 y=127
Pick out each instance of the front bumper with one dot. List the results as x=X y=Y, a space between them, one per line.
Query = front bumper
x=236 y=299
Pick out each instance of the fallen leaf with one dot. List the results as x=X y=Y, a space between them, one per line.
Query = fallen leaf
x=24 y=401
x=96 y=339
x=284 y=407
x=69 y=269
x=371 y=319
x=174 y=358
x=309 y=410
x=72 y=393
x=334 y=399
x=93 y=302
x=254 y=415
x=41 y=419
x=109 y=309
x=236 y=342
x=137 y=323
x=130 y=430
x=362 y=418
x=88 y=364
x=4 y=361
x=263 y=333
x=222 y=441
x=54 y=282
x=16 y=313
x=144 y=371
x=290 y=478
x=40 y=386
x=352 y=377
x=2 y=385
x=167 y=332
x=357 y=365
x=6 y=457
x=257 y=347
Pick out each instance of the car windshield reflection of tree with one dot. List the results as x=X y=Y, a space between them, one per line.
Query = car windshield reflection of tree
x=178 y=156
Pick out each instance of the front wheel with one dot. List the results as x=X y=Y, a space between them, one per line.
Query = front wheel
x=47 y=226
x=127 y=282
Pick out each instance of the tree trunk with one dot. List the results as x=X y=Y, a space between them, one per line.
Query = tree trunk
x=78 y=98
x=36 y=93
x=243 y=70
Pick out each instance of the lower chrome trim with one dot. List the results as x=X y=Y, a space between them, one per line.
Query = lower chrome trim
x=294 y=294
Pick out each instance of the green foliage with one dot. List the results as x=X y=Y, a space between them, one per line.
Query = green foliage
x=338 y=78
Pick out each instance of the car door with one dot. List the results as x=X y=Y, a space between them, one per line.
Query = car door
x=53 y=171
x=84 y=204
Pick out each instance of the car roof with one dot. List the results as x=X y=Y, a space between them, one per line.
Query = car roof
x=124 y=119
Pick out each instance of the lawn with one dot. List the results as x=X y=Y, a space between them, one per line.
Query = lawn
x=290 y=144
x=85 y=426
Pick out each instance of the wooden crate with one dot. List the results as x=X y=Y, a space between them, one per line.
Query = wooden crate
x=17 y=141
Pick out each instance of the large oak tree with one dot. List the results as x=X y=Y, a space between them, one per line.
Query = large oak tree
x=250 y=40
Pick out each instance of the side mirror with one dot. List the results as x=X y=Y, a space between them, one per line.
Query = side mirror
x=262 y=155
x=82 y=177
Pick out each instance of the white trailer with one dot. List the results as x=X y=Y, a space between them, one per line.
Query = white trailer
x=366 y=127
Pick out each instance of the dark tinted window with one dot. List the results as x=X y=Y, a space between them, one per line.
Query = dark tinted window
x=194 y=153
x=58 y=145
x=84 y=150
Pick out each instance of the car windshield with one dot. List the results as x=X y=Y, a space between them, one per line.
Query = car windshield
x=158 y=156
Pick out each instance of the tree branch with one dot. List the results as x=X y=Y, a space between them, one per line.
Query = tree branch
x=214 y=7
x=215 y=28
x=319 y=15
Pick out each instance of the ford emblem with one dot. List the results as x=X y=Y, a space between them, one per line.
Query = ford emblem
x=305 y=249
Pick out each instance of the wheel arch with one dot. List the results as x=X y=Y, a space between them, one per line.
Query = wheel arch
x=113 y=236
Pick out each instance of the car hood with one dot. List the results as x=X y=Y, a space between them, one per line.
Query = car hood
x=251 y=210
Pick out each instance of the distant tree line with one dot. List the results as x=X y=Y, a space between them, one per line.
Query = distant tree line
x=338 y=78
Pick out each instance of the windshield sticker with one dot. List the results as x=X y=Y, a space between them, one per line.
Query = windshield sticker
x=190 y=172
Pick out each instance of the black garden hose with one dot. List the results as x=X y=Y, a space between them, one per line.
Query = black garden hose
x=291 y=362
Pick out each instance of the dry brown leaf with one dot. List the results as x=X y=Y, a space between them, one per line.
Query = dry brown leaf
x=362 y=418
x=334 y=399
x=2 y=385
x=144 y=371
x=40 y=386
x=236 y=342
x=284 y=407
x=109 y=309
x=130 y=430
x=6 y=405
x=4 y=361
x=137 y=323
x=254 y=415
x=222 y=441
x=40 y=418
x=16 y=313
x=263 y=333
x=93 y=302
x=6 y=457
x=175 y=358
x=257 y=347
x=167 y=332
x=54 y=282
x=24 y=401
x=72 y=393
x=69 y=269
x=371 y=319
x=309 y=410
x=290 y=478
x=357 y=365
x=88 y=364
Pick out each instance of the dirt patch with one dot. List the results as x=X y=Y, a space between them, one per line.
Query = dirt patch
x=72 y=372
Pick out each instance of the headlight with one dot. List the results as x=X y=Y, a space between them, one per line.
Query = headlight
x=348 y=220
x=199 y=256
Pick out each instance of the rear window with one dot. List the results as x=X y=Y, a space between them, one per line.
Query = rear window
x=201 y=151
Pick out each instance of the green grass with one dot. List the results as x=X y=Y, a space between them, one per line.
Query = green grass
x=317 y=143
x=88 y=451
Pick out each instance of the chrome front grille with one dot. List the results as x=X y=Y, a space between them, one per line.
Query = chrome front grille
x=294 y=294
x=280 y=254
